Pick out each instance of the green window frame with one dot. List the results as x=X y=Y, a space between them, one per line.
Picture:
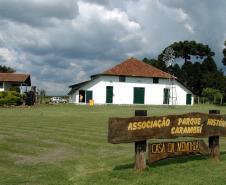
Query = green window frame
x=155 y=80
x=138 y=95
x=166 y=96
x=188 y=99
x=122 y=79
x=89 y=96
x=109 y=94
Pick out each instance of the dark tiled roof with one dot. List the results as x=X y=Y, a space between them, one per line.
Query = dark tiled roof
x=14 y=77
x=135 y=67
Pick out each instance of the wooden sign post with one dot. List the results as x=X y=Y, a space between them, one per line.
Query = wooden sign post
x=140 y=147
x=214 y=146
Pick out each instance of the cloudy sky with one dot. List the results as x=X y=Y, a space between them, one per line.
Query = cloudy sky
x=64 y=42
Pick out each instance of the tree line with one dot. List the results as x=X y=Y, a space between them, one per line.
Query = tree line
x=5 y=69
x=196 y=69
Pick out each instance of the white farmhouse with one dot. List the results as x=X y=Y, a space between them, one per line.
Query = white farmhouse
x=131 y=82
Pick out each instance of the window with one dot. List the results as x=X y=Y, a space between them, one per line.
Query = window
x=1 y=85
x=155 y=80
x=122 y=78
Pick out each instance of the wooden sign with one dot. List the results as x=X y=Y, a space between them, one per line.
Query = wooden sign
x=126 y=130
x=163 y=150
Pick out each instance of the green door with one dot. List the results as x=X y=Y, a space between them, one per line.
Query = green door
x=166 y=96
x=109 y=94
x=188 y=99
x=89 y=96
x=138 y=95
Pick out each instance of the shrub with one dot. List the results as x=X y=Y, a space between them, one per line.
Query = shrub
x=11 y=98
x=213 y=95
x=14 y=88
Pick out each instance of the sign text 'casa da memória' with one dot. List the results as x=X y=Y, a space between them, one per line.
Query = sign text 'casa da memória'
x=163 y=150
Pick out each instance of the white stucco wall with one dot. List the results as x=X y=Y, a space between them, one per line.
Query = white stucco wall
x=123 y=91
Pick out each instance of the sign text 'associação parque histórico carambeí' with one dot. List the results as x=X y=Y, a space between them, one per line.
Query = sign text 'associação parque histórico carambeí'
x=125 y=130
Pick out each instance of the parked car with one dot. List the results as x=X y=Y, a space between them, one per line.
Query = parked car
x=58 y=100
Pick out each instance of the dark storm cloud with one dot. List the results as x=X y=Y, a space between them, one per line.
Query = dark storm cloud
x=37 y=13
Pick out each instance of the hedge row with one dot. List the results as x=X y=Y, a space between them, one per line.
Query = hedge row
x=11 y=98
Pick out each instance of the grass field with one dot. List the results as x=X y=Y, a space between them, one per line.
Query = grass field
x=67 y=145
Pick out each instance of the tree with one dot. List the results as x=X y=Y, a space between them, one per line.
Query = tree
x=186 y=72
x=208 y=65
x=213 y=95
x=195 y=77
x=5 y=69
x=186 y=49
x=224 y=53
x=175 y=70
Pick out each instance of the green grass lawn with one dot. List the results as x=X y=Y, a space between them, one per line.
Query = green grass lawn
x=67 y=145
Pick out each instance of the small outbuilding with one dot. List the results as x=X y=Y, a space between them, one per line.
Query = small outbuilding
x=10 y=80
x=132 y=82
